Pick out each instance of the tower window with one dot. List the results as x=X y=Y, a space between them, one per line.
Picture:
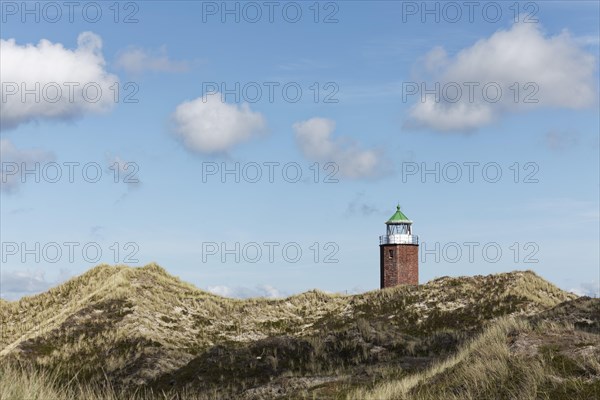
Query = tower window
x=391 y=253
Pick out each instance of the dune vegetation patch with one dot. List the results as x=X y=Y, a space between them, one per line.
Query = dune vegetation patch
x=117 y=332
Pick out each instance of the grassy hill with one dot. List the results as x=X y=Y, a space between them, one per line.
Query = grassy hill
x=118 y=331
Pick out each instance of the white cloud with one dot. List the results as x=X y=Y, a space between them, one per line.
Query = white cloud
x=588 y=40
x=242 y=292
x=590 y=289
x=16 y=284
x=563 y=73
x=58 y=75
x=15 y=160
x=137 y=60
x=314 y=139
x=208 y=125
x=451 y=117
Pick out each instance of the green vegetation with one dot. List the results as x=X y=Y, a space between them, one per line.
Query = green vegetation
x=509 y=360
x=139 y=333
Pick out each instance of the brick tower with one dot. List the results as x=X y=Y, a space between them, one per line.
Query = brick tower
x=399 y=252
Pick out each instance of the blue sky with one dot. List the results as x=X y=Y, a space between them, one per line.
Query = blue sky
x=170 y=138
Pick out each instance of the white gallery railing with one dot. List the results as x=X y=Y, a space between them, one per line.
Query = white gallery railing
x=399 y=239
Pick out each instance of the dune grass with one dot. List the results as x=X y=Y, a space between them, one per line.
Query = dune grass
x=492 y=366
x=115 y=330
x=488 y=368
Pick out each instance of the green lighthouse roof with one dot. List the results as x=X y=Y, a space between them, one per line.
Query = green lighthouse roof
x=398 y=217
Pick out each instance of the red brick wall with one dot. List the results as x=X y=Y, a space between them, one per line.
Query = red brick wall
x=402 y=268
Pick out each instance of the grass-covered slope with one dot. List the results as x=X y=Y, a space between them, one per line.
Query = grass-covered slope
x=134 y=327
x=553 y=356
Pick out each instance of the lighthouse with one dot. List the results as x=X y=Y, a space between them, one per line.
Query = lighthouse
x=399 y=252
